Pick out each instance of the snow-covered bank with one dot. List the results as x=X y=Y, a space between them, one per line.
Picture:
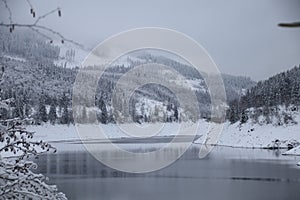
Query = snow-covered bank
x=259 y=136
x=66 y=138
x=295 y=151
x=246 y=136
x=50 y=133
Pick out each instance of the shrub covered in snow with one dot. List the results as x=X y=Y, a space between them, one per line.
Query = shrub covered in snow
x=17 y=181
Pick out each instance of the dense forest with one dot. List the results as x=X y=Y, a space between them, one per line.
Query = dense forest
x=40 y=86
x=275 y=99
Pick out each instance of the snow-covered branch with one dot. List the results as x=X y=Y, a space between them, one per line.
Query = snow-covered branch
x=17 y=181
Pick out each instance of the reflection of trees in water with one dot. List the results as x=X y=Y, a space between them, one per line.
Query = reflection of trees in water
x=82 y=163
x=277 y=152
x=71 y=163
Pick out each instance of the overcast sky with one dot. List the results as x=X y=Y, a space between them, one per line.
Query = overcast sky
x=241 y=36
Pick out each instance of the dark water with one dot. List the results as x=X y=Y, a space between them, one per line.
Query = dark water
x=233 y=174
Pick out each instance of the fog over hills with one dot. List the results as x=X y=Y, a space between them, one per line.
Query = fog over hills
x=42 y=74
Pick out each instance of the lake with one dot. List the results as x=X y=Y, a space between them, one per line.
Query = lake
x=226 y=173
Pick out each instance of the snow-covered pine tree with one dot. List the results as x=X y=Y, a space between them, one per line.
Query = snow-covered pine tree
x=52 y=116
x=65 y=112
x=83 y=116
x=176 y=114
x=104 y=113
x=42 y=112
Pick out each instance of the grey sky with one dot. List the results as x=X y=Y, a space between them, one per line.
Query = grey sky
x=241 y=35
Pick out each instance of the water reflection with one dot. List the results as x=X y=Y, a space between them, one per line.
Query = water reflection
x=225 y=174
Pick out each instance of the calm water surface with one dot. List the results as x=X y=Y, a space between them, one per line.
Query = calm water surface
x=227 y=173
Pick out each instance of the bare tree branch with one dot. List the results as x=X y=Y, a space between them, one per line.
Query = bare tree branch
x=36 y=27
x=45 y=15
x=30 y=5
x=8 y=10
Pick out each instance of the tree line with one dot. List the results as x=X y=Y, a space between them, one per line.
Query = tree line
x=267 y=98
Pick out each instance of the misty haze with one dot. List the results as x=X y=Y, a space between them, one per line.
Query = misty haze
x=149 y=99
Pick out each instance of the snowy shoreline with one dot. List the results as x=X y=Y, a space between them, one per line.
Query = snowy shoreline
x=293 y=152
x=250 y=136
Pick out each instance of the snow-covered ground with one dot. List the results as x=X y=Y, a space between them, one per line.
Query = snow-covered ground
x=70 y=56
x=64 y=137
x=245 y=136
x=55 y=133
x=259 y=136
x=294 y=151
x=16 y=58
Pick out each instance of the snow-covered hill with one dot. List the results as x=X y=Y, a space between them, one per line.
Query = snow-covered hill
x=37 y=71
x=70 y=55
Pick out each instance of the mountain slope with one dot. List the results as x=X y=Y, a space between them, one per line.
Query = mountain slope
x=40 y=76
x=276 y=98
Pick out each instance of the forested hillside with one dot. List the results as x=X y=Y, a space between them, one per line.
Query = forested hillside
x=40 y=81
x=274 y=99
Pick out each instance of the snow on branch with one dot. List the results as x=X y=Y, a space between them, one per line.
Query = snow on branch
x=17 y=181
